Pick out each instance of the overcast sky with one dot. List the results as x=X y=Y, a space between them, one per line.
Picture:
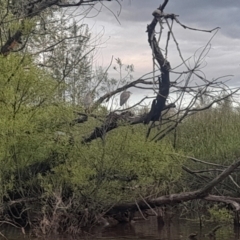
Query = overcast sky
x=127 y=40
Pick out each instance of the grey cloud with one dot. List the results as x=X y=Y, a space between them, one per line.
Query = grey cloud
x=128 y=40
x=204 y=13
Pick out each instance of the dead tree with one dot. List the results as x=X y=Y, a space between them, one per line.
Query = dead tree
x=165 y=87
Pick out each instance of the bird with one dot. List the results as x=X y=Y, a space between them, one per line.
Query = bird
x=88 y=100
x=125 y=95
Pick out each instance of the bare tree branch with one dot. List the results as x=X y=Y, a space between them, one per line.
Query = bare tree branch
x=202 y=193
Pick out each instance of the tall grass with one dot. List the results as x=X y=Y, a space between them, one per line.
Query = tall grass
x=213 y=135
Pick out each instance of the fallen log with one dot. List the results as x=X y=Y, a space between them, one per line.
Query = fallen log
x=172 y=199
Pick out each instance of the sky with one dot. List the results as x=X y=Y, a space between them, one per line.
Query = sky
x=125 y=35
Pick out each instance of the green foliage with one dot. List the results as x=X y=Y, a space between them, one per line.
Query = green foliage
x=29 y=118
x=122 y=168
x=211 y=135
x=42 y=155
x=68 y=57
x=41 y=152
x=222 y=215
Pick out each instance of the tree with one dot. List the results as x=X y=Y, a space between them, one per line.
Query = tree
x=68 y=55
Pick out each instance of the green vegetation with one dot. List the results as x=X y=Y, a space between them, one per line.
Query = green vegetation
x=52 y=181
x=212 y=136
x=221 y=215
x=52 y=174
x=47 y=169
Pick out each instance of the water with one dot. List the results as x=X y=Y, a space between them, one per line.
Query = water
x=178 y=229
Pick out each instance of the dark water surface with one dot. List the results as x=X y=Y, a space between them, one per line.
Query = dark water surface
x=148 y=229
